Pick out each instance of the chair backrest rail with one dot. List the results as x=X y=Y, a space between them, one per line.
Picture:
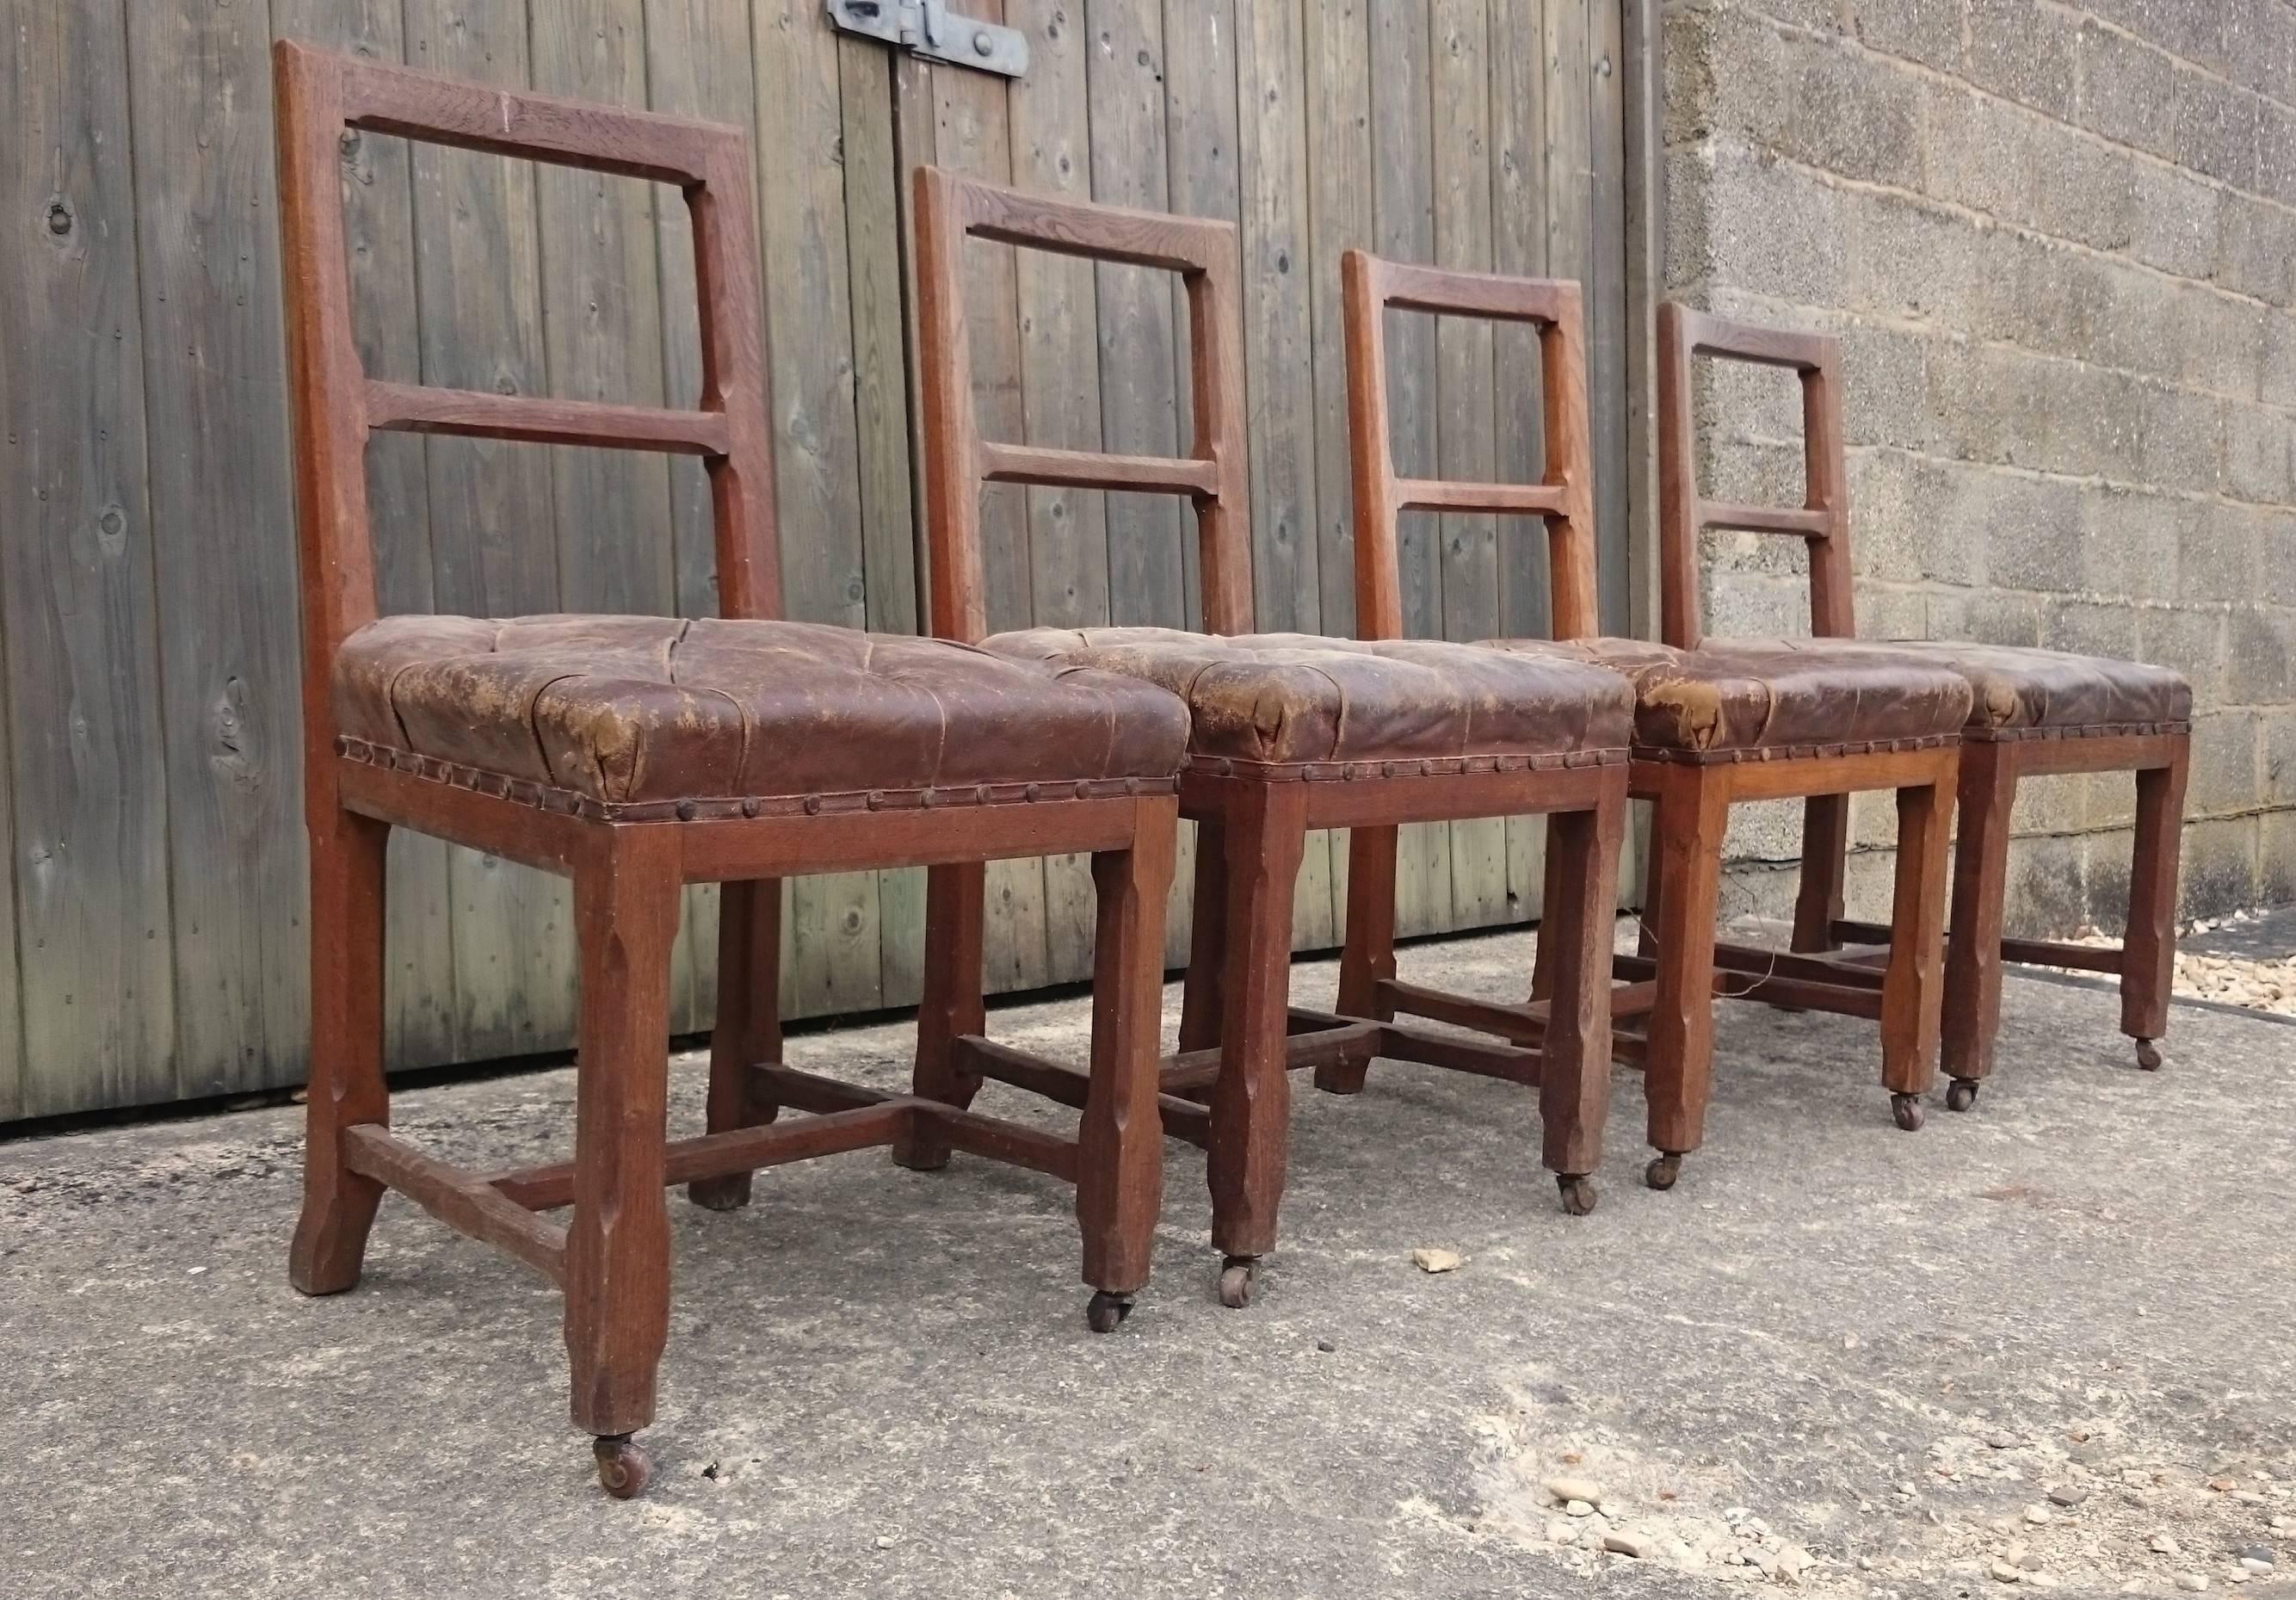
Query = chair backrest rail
x=1684 y=335
x=1564 y=497
x=958 y=461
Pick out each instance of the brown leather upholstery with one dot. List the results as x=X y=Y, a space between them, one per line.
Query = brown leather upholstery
x=1771 y=693
x=625 y=709
x=1283 y=700
x=2016 y=687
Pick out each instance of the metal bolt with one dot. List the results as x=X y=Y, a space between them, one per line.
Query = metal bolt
x=982 y=43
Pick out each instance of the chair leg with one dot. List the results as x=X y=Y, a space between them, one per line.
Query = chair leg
x=1981 y=884
x=1574 y=941
x=1824 y=865
x=346 y=1086
x=1199 y=994
x=2148 y=953
x=1250 y=1104
x=1554 y=886
x=1693 y=812
x=1368 y=956
x=625 y=901
x=1913 y=988
x=749 y=1025
x=1120 y=1137
x=952 y=1007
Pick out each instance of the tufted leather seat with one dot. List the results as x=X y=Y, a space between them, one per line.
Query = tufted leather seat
x=633 y=710
x=1295 y=700
x=1732 y=694
x=2018 y=688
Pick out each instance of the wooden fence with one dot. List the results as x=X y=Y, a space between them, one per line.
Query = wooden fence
x=151 y=893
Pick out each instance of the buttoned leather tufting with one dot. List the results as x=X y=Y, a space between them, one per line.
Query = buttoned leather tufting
x=2016 y=687
x=1771 y=693
x=1282 y=700
x=624 y=709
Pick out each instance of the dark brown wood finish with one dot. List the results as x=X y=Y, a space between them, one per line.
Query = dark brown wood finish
x=1251 y=831
x=2159 y=757
x=630 y=865
x=1681 y=969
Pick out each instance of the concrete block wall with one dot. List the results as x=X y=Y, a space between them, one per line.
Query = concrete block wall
x=2059 y=242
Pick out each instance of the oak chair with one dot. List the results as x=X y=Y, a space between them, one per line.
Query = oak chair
x=637 y=755
x=1290 y=732
x=2032 y=713
x=1711 y=727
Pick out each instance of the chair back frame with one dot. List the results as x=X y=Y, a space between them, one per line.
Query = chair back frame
x=1564 y=496
x=1823 y=520
x=336 y=406
x=1215 y=475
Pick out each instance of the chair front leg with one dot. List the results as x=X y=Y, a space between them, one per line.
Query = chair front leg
x=749 y=1024
x=625 y=901
x=1913 y=986
x=347 y=1086
x=1981 y=886
x=1120 y=1137
x=1251 y=1098
x=2148 y=951
x=1693 y=814
x=1574 y=1080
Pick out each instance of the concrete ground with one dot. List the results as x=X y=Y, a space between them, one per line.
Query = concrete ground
x=1876 y=1348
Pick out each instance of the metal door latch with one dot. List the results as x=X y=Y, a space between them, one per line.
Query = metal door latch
x=928 y=28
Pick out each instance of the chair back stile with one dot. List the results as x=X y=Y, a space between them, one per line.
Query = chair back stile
x=336 y=406
x=1215 y=475
x=1823 y=520
x=1564 y=497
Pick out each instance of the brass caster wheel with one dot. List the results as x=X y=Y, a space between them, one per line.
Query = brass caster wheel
x=1961 y=1095
x=623 y=1465
x=1106 y=1311
x=2148 y=1054
x=1664 y=1168
x=1236 y=1273
x=1578 y=1189
x=1906 y=1109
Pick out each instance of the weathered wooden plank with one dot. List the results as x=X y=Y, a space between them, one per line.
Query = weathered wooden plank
x=494 y=540
x=86 y=925
x=1606 y=305
x=379 y=219
x=1403 y=227
x=1466 y=443
x=222 y=522
x=1337 y=57
x=14 y=1101
x=1150 y=561
x=603 y=341
x=1060 y=396
x=1518 y=177
x=880 y=393
x=697 y=65
x=834 y=964
x=972 y=133
x=1279 y=350
x=1201 y=141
